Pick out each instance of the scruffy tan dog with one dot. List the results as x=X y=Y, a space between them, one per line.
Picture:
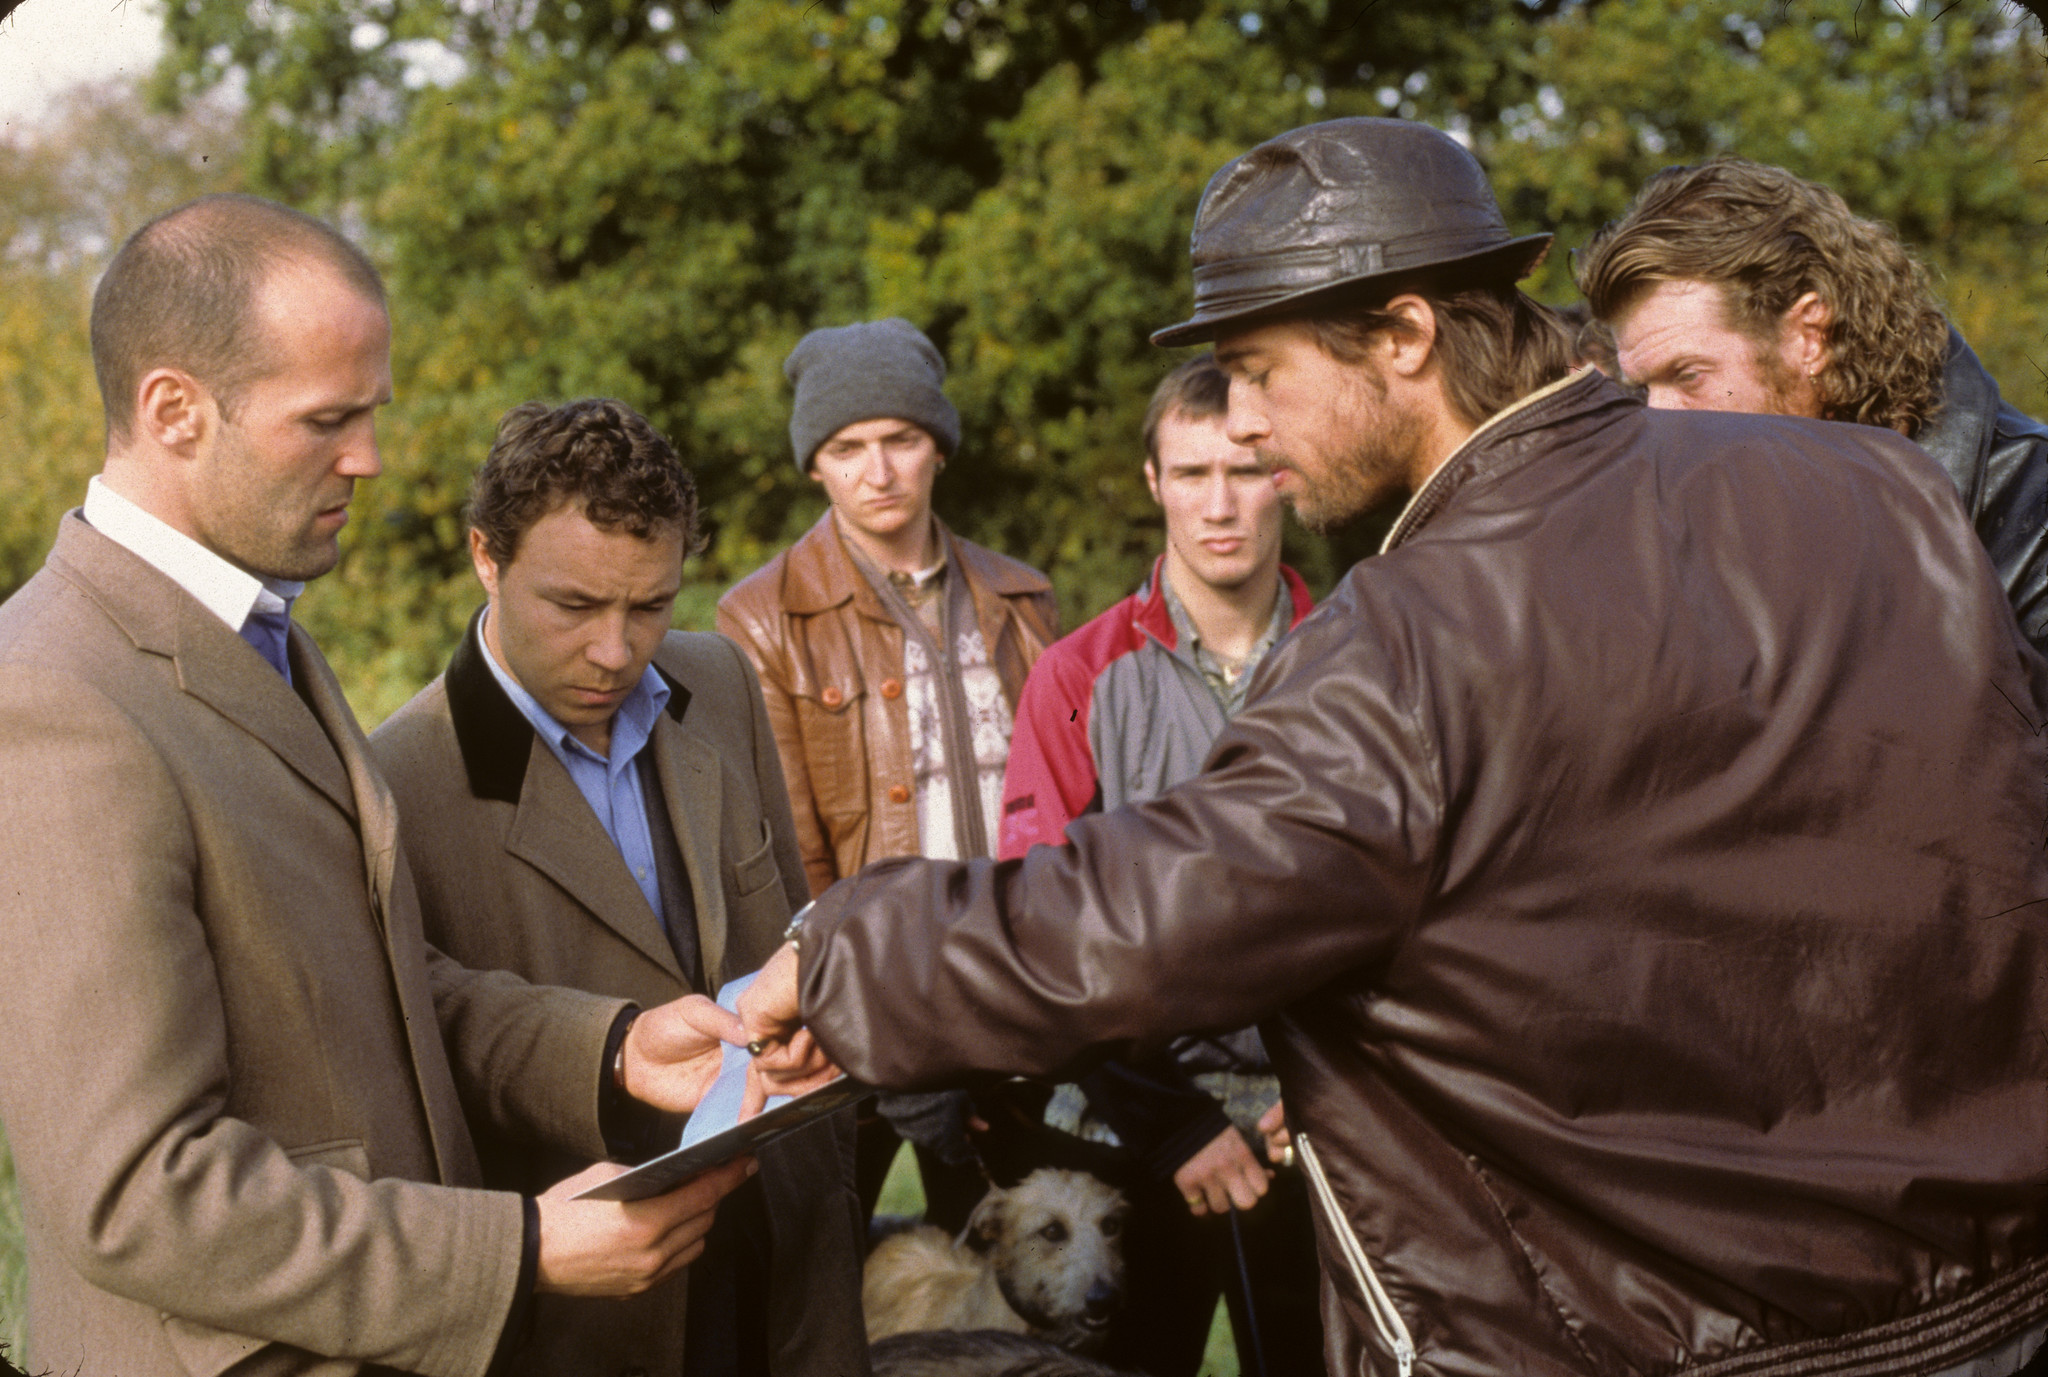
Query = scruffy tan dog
x=1044 y=1257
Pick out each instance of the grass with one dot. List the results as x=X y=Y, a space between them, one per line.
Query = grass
x=903 y=1193
x=13 y=1270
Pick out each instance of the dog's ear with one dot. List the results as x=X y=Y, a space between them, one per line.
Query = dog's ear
x=985 y=1226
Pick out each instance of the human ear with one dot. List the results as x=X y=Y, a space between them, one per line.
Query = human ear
x=1152 y=480
x=1803 y=330
x=1408 y=350
x=486 y=567
x=985 y=1225
x=173 y=408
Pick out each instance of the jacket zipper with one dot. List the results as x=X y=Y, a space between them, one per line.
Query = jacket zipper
x=1393 y=1330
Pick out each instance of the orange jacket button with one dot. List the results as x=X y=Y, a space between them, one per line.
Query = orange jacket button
x=832 y=697
x=898 y=794
x=892 y=688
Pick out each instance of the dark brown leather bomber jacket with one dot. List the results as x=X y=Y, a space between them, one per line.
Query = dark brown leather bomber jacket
x=1638 y=869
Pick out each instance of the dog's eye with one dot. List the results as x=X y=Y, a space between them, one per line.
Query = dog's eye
x=1112 y=1226
x=1055 y=1232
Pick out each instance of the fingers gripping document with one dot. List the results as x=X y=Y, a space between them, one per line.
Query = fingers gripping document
x=715 y=1133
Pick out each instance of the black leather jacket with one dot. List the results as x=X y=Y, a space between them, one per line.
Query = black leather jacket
x=1638 y=873
x=1997 y=456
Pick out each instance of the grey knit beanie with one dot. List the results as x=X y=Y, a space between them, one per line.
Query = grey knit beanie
x=862 y=372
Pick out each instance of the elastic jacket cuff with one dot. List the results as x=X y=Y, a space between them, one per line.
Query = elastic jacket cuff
x=513 y=1336
x=1160 y=1115
x=629 y=1127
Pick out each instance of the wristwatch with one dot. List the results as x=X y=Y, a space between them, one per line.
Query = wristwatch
x=793 y=934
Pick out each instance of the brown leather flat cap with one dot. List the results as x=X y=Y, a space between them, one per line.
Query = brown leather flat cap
x=1330 y=206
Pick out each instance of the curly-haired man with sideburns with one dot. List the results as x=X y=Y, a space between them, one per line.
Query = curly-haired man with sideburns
x=1736 y=286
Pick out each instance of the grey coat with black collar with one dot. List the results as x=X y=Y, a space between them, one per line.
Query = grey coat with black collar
x=516 y=873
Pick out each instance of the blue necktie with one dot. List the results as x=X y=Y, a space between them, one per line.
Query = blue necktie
x=266 y=631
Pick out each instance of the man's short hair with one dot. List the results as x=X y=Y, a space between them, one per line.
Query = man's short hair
x=181 y=293
x=1494 y=342
x=1766 y=238
x=1195 y=391
x=601 y=455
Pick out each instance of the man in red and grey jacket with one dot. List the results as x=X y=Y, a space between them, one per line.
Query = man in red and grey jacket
x=1118 y=712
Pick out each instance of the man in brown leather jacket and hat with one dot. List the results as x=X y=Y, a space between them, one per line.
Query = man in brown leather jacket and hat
x=891 y=653
x=1636 y=868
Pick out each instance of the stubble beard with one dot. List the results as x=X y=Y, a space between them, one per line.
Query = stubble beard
x=270 y=552
x=249 y=535
x=1370 y=470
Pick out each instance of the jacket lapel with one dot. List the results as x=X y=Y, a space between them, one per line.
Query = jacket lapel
x=212 y=663
x=553 y=829
x=248 y=692
x=692 y=785
x=376 y=812
x=557 y=834
x=819 y=574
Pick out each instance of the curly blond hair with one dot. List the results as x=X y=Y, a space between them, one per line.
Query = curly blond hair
x=1766 y=238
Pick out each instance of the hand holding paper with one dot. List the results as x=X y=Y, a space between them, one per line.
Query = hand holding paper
x=790 y=1061
x=599 y=1247
x=715 y=1132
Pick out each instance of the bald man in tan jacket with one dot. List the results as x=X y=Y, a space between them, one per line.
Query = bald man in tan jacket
x=237 y=1079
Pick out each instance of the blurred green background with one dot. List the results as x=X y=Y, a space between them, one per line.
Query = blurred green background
x=655 y=201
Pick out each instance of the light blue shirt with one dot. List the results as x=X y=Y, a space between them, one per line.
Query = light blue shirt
x=611 y=786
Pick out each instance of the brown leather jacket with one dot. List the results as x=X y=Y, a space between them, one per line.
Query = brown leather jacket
x=1638 y=869
x=830 y=659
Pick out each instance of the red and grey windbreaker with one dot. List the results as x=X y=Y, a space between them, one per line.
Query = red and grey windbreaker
x=1114 y=713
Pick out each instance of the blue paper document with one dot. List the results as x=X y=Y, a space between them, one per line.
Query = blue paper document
x=714 y=1133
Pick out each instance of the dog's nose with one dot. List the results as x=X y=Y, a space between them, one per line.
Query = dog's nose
x=1102 y=1298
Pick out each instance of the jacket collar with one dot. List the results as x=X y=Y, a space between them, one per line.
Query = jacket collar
x=819 y=574
x=554 y=830
x=1965 y=430
x=212 y=662
x=494 y=736
x=1155 y=619
x=1504 y=441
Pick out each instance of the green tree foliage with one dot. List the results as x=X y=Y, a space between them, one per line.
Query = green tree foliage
x=76 y=182
x=1937 y=127
x=655 y=204
x=656 y=201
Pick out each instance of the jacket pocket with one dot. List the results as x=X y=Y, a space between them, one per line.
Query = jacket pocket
x=1393 y=1330
x=343 y=1154
x=203 y=1351
x=835 y=750
x=758 y=871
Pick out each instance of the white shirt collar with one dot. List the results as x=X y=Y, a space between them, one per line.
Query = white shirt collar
x=229 y=593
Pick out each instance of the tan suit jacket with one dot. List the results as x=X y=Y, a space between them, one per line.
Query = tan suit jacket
x=516 y=872
x=234 y=1117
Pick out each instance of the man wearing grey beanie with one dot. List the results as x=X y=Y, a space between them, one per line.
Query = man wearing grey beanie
x=891 y=653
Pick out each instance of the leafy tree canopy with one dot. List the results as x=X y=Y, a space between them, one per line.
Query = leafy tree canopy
x=656 y=201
